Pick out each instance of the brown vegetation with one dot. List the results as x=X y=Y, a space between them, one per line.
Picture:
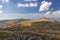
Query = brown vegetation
x=44 y=26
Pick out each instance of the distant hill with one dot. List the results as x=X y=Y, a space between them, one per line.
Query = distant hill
x=10 y=23
x=42 y=26
x=29 y=22
x=24 y=22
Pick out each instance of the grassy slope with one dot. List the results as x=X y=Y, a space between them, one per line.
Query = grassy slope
x=50 y=29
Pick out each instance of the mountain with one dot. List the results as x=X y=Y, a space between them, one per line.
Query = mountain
x=42 y=27
x=24 y=22
x=10 y=23
x=29 y=22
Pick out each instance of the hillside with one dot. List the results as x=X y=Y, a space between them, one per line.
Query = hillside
x=44 y=28
x=29 y=23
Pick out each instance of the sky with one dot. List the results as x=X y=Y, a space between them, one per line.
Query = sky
x=29 y=9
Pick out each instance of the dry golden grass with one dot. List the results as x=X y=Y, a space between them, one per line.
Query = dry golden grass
x=34 y=27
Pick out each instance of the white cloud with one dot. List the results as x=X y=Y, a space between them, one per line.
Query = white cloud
x=30 y=0
x=1 y=6
x=5 y=1
x=47 y=13
x=54 y=14
x=45 y=6
x=1 y=12
x=22 y=5
x=27 y=5
x=33 y=5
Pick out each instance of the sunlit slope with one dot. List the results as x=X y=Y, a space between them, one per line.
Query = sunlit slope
x=29 y=23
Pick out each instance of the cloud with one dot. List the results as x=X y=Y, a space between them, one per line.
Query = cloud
x=30 y=0
x=54 y=14
x=5 y=1
x=1 y=12
x=1 y=6
x=6 y=16
x=22 y=5
x=33 y=5
x=45 y=6
x=47 y=13
x=27 y=5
